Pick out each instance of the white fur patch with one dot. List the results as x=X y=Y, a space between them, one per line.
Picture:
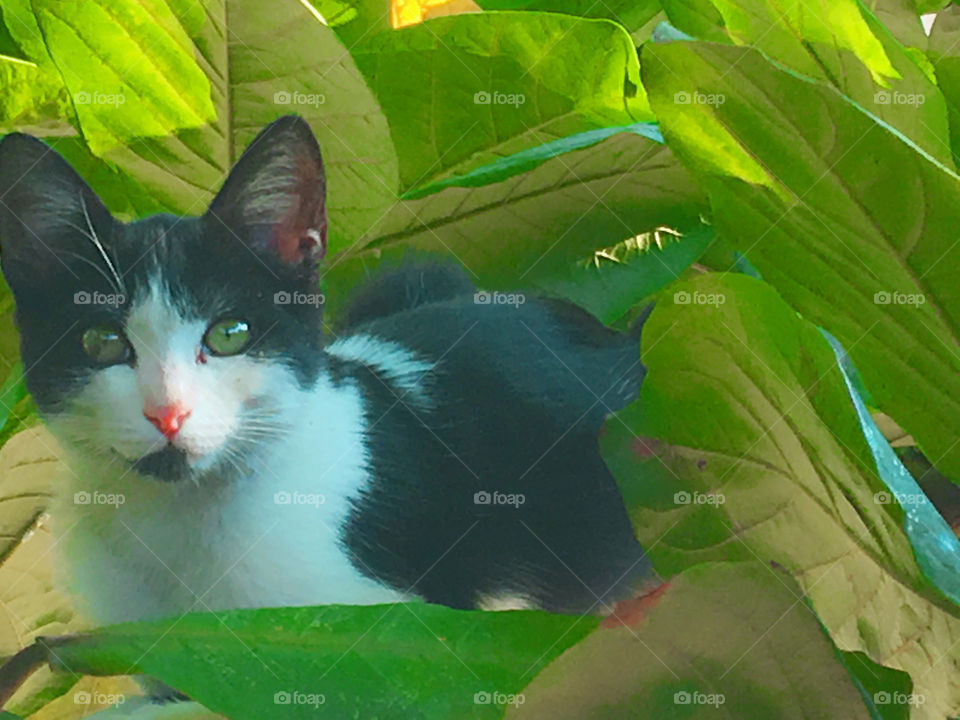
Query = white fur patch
x=500 y=602
x=267 y=540
x=393 y=361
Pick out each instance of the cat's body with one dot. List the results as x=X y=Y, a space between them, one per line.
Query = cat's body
x=223 y=452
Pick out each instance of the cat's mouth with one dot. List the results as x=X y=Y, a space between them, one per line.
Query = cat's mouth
x=169 y=464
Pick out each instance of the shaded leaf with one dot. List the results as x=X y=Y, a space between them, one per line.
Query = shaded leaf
x=727 y=641
x=512 y=232
x=779 y=472
x=497 y=83
x=615 y=279
x=855 y=247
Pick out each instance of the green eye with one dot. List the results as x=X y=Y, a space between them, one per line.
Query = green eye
x=227 y=337
x=106 y=345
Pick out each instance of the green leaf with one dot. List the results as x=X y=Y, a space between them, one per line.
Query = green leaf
x=630 y=13
x=497 y=83
x=11 y=392
x=251 y=78
x=531 y=225
x=21 y=23
x=840 y=46
x=404 y=660
x=613 y=280
x=355 y=20
x=31 y=96
x=743 y=445
x=888 y=693
x=726 y=641
x=828 y=219
x=139 y=74
x=526 y=160
x=8 y=46
x=944 y=52
x=782 y=30
x=901 y=18
x=695 y=18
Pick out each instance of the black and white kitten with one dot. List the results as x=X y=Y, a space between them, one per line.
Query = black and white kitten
x=223 y=452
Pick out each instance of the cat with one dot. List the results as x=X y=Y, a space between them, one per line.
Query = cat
x=225 y=451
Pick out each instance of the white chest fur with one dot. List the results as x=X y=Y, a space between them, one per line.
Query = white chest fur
x=269 y=539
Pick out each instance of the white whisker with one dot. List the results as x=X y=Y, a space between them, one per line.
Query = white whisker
x=96 y=241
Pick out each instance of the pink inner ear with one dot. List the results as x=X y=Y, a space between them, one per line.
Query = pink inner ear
x=303 y=233
x=294 y=245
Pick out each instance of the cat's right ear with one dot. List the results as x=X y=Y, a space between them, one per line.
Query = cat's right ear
x=48 y=214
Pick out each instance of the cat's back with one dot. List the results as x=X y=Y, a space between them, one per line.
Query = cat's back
x=481 y=345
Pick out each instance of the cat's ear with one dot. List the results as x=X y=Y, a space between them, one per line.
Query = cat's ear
x=48 y=214
x=274 y=197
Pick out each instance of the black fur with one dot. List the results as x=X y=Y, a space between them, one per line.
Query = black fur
x=518 y=395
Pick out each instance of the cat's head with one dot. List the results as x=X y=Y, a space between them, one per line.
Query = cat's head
x=168 y=345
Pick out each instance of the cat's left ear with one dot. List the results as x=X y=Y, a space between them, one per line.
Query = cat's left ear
x=274 y=197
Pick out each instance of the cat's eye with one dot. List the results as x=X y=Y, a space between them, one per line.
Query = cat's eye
x=106 y=345
x=227 y=337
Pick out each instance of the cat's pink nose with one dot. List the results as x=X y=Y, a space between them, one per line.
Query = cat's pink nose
x=168 y=419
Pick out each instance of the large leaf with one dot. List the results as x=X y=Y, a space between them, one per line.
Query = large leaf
x=530 y=224
x=496 y=83
x=839 y=45
x=852 y=223
x=753 y=450
x=250 y=78
x=138 y=67
x=727 y=641
x=403 y=660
